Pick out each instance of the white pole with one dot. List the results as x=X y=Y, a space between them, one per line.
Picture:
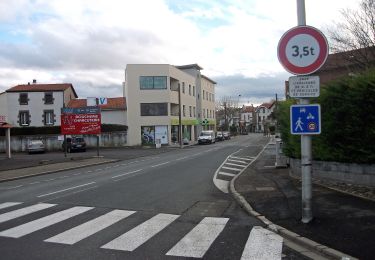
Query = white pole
x=9 y=152
x=306 y=154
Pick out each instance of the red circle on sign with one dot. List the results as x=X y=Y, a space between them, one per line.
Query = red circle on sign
x=311 y=68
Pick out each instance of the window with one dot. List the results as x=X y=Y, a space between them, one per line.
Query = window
x=153 y=82
x=204 y=113
x=189 y=90
x=193 y=91
x=23 y=99
x=190 y=113
x=203 y=95
x=183 y=110
x=194 y=111
x=49 y=117
x=154 y=109
x=183 y=87
x=24 y=118
x=48 y=98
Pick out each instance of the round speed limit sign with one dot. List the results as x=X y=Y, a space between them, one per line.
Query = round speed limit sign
x=302 y=50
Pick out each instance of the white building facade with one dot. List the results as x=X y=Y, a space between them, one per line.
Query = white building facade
x=156 y=93
x=35 y=104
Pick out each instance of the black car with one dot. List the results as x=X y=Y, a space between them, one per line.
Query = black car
x=74 y=144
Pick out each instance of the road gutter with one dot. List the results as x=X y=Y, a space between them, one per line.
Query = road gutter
x=313 y=247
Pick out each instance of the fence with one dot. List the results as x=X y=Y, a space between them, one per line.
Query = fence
x=52 y=142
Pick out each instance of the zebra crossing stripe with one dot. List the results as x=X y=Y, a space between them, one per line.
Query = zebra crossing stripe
x=41 y=223
x=227 y=174
x=199 y=239
x=8 y=204
x=242 y=158
x=235 y=164
x=262 y=244
x=24 y=211
x=141 y=234
x=232 y=169
x=89 y=228
x=238 y=161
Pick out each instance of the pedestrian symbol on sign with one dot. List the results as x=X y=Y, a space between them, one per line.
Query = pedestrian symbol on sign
x=305 y=119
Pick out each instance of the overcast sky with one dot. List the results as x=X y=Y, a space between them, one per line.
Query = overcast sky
x=89 y=42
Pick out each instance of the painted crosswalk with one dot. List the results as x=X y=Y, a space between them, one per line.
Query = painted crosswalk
x=231 y=167
x=195 y=242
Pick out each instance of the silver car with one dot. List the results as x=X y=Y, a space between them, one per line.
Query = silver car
x=35 y=146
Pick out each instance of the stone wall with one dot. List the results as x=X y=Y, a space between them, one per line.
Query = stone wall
x=52 y=142
x=358 y=174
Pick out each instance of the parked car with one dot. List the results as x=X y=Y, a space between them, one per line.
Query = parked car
x=206 y=137
x=35 y=146
x=219 y=136
x=74 y=143
x=226 y=135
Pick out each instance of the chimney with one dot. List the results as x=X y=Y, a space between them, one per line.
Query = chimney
x=34 y=81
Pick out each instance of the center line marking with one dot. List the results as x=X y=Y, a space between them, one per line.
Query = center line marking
x=71 y=188
x=126 y=173
x=159 y=164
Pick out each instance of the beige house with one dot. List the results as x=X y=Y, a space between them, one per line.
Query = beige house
x=155 y=93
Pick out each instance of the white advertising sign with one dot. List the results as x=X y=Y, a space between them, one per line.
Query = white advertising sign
x=304 y=86
x=3 y=119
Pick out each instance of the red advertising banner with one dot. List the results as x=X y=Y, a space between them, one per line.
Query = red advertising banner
x=82 y=122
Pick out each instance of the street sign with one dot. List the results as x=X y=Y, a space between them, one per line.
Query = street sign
x=305 y=119
x=205 y=122
x=304 y=86
x=302 y=50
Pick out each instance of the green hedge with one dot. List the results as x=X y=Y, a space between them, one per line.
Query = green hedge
x=348 y=122
x=51 y=130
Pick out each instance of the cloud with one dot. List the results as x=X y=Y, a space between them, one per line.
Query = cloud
x=89 y=42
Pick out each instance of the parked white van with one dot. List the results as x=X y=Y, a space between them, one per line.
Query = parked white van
x=206 y=137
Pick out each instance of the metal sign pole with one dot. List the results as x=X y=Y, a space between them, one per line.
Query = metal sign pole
x=306 y=154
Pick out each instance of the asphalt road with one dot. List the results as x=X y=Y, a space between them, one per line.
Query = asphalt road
x=162 y=206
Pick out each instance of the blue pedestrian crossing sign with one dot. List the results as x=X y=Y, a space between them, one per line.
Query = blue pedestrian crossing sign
x=305 y=119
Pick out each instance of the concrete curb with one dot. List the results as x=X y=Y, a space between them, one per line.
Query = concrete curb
x=58 y=170
x=302 y=241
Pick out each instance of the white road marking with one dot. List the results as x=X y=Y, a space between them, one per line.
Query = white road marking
x=238 y=161
x=126 y=173
x=160 y=164
x=141 y=234
x=232 y=169
x=235 y=164
x=182 y=158
x=89 y=228
x=41 y=223
x=262 y=244
x=9 y=204
x=24 y=211
x=15 y=187
x=35 y=182
x=71 y=188
x=242 y=158
x=221 y=185
x=200 y=238
x=227 y=174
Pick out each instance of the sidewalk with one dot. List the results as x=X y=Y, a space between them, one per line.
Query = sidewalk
x=341 y=221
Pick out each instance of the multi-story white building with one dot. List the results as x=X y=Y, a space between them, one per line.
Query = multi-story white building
x=247 y=118
x=263 y=113
x=155 y=93
x=35 y=104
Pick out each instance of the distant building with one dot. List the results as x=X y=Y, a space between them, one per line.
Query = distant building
x=247 y=119
x=263 y=116
x=152 y=94
x=114 y=112
x=35 y=104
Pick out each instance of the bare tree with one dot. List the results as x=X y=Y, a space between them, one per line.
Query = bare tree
x=355 y=35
